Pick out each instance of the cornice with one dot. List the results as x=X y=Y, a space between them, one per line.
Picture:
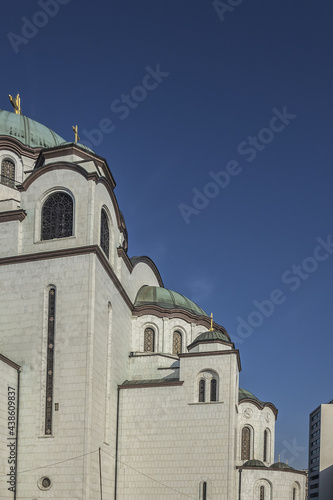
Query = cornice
x=143 y=386
x=69 y=252
x=213 y=353
x=260 y=406
x=268 y=469
x=36 y=173
x=13 y=215
x=161 y=312
x=9 y=362
x=146 y=260
x=17 y=147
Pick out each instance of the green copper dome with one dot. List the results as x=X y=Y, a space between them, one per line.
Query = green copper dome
x=28 y=131
x=244 y=394
x=167 y=299
x=254 y=463
x=210 y=336
x=281 y=465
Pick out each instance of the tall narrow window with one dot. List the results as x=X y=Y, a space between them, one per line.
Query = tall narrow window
x=294 y=493
x=177 y=343
x=245 y=446
x=149 y=340
x=202 y=387
x=204 y=491
x=8 y=173
x=105 y=233
x=265 y=445
x=213 y=389
x=50 y=361
x=57 y=216
x=262 y=493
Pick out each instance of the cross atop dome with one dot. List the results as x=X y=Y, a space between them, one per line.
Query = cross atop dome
x=16 y=103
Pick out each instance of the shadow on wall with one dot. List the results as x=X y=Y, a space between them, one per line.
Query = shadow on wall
x=326 y=483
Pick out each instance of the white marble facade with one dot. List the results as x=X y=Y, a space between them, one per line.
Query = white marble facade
x=103 y=406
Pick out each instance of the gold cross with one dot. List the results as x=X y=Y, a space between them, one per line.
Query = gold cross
x=16 y=103
x=211 y=322
x=76 y=132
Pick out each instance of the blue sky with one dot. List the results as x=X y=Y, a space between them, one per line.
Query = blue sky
x=216 y=123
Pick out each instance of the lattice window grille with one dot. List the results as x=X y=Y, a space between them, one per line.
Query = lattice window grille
x=213 y=389
x=57 y=216
x=105 y=233
x=149 y=340
x=50 y=362
x=8 y=173
x=202 y=387
x=245 y=451
x=177 y=343
x=262 y=493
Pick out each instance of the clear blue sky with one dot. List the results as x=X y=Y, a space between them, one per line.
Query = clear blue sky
x=247 y=91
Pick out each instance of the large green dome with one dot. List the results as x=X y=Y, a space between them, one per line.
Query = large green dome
x=167 y=299
x=28 y=131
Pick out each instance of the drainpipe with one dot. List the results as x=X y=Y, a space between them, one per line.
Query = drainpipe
x=116 y=454
x=240 y=484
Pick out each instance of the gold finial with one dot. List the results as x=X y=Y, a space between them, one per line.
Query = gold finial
x=211 y=322
x=16 y=103
x=76 y=132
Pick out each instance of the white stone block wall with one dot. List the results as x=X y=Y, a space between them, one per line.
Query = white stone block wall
x=278 y=484
x=258 y=420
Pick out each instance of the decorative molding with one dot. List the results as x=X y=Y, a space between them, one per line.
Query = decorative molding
x=161 y=312
x=9 y=362
x=13 y=215
x=213 y=353
x=261 y=406
x=157 y=384
x=70 y=252
x=121 y=253
x=15 y=146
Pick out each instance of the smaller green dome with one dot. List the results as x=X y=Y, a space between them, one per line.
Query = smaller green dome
x=210 y=336
x=244 y=394
x=281 y=465
x=254 y=463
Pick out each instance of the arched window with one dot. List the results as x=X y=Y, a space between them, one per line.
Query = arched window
x=213 y=389
x=294 y=493
x=105 y=233
x=177 y=343
x=8 y=173
x=202 y=388
x=262 y=493
x=265 y=445
x=149 y=340
x=245 y=445
x=57 y=216
x=204 y=491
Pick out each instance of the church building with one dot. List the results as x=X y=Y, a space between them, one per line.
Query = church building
x=112 y=386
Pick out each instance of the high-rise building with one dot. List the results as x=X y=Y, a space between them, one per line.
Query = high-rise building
x=320 y=483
